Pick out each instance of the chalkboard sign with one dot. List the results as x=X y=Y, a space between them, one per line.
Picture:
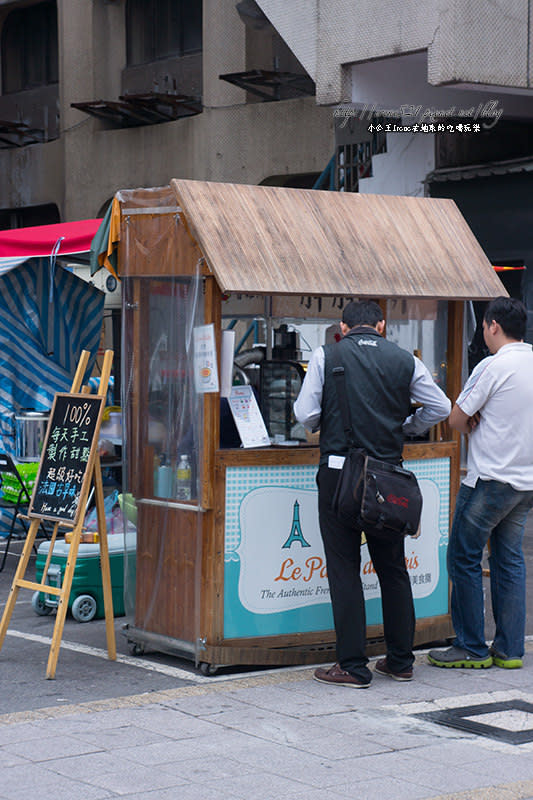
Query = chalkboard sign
x=67 y=457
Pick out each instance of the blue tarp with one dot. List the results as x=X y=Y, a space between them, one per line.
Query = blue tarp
x=47 y=317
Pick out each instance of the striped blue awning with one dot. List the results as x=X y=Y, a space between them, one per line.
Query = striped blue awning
x=47 y=317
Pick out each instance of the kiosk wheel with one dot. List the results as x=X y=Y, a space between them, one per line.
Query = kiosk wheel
x=208 y=669
x=84 y=608
x=39 y=606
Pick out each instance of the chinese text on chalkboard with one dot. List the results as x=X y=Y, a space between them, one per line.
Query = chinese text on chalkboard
x=66 y=456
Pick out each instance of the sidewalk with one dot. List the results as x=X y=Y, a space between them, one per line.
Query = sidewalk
x=281 y=735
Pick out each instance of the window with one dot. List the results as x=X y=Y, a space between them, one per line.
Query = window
x=28 y=216
x=29 y=48
x=161 y=28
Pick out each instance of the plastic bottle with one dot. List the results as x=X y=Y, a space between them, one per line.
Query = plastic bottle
x=164 y=479
x=183 y=478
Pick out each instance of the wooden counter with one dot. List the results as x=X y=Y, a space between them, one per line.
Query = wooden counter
x=246 y=583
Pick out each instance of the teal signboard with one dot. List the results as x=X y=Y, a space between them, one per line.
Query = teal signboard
x=275 y=577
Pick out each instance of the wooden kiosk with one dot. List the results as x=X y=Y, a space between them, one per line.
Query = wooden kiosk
x=235 y=574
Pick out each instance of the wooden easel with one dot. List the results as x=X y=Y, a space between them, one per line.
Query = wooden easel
x=63 y=592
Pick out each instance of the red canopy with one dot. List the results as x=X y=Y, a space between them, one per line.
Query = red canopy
x=69 y=237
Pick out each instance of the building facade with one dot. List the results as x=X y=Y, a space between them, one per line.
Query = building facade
x=109 y=94
x=449 y=84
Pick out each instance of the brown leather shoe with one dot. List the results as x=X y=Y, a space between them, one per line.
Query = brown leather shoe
x=382 y=668
x=340 y=677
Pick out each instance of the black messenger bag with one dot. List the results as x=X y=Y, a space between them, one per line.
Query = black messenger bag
x=382 y=495
x=391 y=497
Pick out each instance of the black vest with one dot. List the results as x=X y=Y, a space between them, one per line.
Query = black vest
x=377 y=374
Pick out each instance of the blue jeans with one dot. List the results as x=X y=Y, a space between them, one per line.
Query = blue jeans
x=496 y=510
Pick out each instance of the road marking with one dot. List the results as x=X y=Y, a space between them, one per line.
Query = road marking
x=164 y=669
x=140 y=663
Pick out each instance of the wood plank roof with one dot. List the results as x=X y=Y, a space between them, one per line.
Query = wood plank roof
x=273 y=240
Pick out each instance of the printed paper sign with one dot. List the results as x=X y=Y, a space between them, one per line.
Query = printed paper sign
x=248 y=418
x=205 y=359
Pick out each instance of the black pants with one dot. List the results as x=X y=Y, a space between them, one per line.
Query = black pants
x=342 y=546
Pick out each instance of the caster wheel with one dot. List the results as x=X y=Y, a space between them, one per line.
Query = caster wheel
x=39 y=606
x=135 y=649
x=84 y=608
x=208 y=669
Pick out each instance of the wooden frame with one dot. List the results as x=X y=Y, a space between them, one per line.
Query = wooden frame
x=93 y=472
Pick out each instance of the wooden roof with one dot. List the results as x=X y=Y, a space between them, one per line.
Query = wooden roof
x=272 y=240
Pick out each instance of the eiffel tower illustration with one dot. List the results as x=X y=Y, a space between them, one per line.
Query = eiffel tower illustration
x=296 y=534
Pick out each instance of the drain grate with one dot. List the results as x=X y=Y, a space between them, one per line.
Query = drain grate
x=510 y=721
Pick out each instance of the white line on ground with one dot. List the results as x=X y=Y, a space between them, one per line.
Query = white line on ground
x=164 y=669
x=140 y=663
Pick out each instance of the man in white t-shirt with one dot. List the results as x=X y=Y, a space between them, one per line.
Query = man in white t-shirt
x=495 y=409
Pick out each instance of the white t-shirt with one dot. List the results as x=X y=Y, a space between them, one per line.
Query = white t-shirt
x=500 y=387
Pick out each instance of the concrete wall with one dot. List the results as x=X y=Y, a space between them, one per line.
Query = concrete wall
x=229 y=141
x=244 y=144
x=468 y=41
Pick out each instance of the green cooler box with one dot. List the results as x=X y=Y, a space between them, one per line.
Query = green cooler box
x=86 y=599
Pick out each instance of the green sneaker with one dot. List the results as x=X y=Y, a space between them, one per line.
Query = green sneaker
x=457 y=657
x=499 y=660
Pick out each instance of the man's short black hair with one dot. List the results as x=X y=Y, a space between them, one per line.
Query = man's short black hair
x=510 y=313
x=362 y=312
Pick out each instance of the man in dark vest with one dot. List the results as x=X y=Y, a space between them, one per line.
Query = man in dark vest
x=382 y=381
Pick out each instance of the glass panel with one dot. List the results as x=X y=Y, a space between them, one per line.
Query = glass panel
x=139 y=31
x=169 y=412
x=421 y=327
x=192 y=26
x=164 y=423
x=161 y=28
x=29 y=48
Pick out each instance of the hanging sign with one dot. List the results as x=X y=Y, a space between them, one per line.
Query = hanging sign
x=205 y=359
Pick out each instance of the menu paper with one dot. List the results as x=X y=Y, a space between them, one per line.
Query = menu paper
x=248 y=417
x=205 y=359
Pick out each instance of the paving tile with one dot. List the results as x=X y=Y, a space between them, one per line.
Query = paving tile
x=223 y=742
x=263 y=786
x=131 y=778
x=10 y=760
x=84 y=766
x=444 y=779
x=172 y=722
x=453 y=753
x=188 y=792
x=507 y=767
x=381 y=787
x=23 y=732
x=48 y=747
x=123 y=736
x=328 y=774
x=272 y=726
x=207 y=705
x=208 y=769
x=19 y=783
